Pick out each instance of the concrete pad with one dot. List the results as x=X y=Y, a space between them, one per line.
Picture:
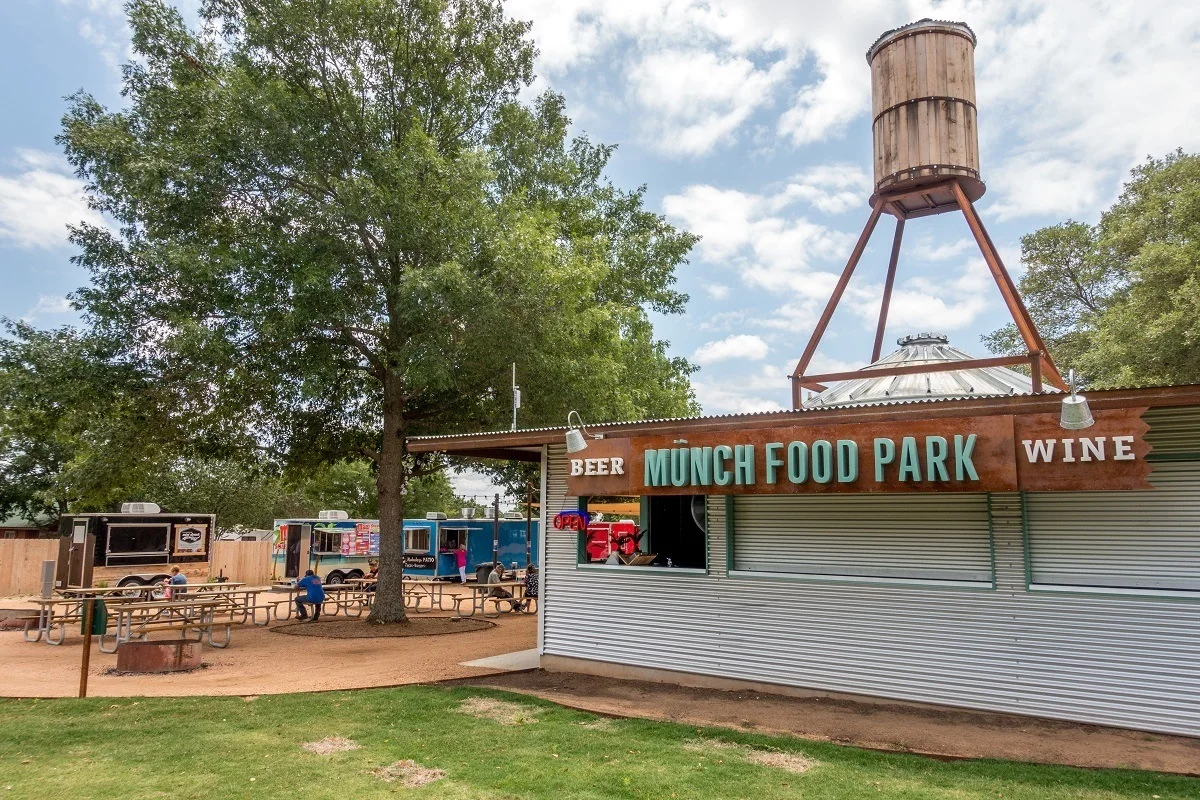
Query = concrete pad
x=508 y=662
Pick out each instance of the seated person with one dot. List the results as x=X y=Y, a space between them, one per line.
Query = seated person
x=177 y=579
x=313 y=595
x=500 y=593
x=531 y=587
x=373 y=576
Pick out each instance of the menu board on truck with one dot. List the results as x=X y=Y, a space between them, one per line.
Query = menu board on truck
x=368 y=539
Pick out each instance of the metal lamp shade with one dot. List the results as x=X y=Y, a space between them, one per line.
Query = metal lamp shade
x=1075 y=413
x=575 y=441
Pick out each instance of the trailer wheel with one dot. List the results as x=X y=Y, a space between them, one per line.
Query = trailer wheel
x=131 y=582
x=335 y=577
x=353 y=574
x=159 y=592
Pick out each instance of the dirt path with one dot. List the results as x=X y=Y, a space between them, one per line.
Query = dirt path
x=902 y=727
x=262 y=662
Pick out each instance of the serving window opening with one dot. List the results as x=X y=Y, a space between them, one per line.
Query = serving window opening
x=667 y=532
x=416 y=540
x=450 y=538
x=327 y=541
x=137 y=543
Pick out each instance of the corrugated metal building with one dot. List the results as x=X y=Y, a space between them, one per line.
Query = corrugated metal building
x=1081 y=606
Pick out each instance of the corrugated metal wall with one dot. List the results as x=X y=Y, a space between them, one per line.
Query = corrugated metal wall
x=1119 y=660
x=921 y=536
x=1103 y=539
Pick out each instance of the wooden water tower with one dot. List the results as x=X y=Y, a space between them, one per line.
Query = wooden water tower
x=926 y=155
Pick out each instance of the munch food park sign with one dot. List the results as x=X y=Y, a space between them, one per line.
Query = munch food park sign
x=964 y=454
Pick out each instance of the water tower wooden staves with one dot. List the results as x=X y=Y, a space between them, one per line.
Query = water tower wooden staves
x=926 y=162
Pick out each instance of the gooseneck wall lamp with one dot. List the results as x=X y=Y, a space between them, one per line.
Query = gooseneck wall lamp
x=577 y=436
x=1075 y=411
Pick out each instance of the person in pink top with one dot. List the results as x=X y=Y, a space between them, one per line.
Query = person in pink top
x=460 y=560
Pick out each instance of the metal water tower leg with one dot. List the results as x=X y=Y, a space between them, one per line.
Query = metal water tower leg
x=887 y=290
x=1008 y=289
x=823 y=322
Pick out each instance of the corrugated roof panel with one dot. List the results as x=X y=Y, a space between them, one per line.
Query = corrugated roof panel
x=923 y=348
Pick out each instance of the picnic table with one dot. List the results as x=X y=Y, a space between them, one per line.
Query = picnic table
x=55 y=614
x=415 y=590
x=241 y=605
x=481 y=593
x=434 y=590
x=149 y=591
x=135 y=620
x=343 y=597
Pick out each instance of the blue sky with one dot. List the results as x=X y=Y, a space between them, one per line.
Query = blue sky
x=748 y=121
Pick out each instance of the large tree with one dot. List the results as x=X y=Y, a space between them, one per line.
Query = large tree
x=1120 y=301
x=340 y=217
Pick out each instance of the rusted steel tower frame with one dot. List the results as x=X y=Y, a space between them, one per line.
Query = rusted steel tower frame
x=1041 y=365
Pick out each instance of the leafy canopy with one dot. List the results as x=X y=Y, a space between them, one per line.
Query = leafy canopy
x=1120 y=301
x=340 y=218
x=330 y=206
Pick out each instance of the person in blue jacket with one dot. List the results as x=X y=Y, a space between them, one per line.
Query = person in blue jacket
x=314 y=595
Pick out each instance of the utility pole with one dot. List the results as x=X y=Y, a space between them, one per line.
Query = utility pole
x=516 y=396
x=496 y=529
x=528 y=524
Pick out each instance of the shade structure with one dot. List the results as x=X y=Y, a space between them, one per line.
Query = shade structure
x=923 y=348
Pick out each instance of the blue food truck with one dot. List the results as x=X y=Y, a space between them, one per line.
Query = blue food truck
x=337 y=547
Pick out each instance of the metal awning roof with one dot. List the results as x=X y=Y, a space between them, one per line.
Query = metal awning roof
x=924 y=348
x=525 y=444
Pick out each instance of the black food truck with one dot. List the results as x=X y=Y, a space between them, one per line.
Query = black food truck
x=136 y=547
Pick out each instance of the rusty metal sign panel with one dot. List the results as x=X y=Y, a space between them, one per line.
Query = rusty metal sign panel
x=963 y=454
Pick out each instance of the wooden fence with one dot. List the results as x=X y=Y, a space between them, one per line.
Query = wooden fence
x=245 y=562
x=21 y=564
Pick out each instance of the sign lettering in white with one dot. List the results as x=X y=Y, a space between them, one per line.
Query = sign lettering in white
x=597 y=466
x=1089 y=447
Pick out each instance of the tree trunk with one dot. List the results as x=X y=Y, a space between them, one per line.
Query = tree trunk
x=389 y=594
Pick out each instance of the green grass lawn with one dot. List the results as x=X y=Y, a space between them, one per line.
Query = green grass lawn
x=232 y=748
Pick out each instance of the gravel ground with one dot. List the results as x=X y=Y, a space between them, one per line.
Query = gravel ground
x=262 y=662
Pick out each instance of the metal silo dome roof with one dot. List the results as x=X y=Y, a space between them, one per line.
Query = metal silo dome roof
x=923 y=348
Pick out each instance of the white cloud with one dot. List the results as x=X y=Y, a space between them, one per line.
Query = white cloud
x=832 y=188
x=47 y=306
x=952 y=302
x=471 y=484
x=726 y=321
x=725 y=397
x=717 y=291
x=741 y=346
x=696 y=99
x=929 y=249
x=1071 y=93
x=770 y=250
x=39 y=199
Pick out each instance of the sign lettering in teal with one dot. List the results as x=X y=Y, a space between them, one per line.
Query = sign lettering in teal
x=937 y=459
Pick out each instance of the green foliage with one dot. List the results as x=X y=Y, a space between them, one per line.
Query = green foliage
x=241 y=495
x=77 y=426
x=339 y=219
x=350 y=486
x=251 y=748
x=1119 y=301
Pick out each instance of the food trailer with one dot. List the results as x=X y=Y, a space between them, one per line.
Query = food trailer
x=337 y=547
x=136 y=547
